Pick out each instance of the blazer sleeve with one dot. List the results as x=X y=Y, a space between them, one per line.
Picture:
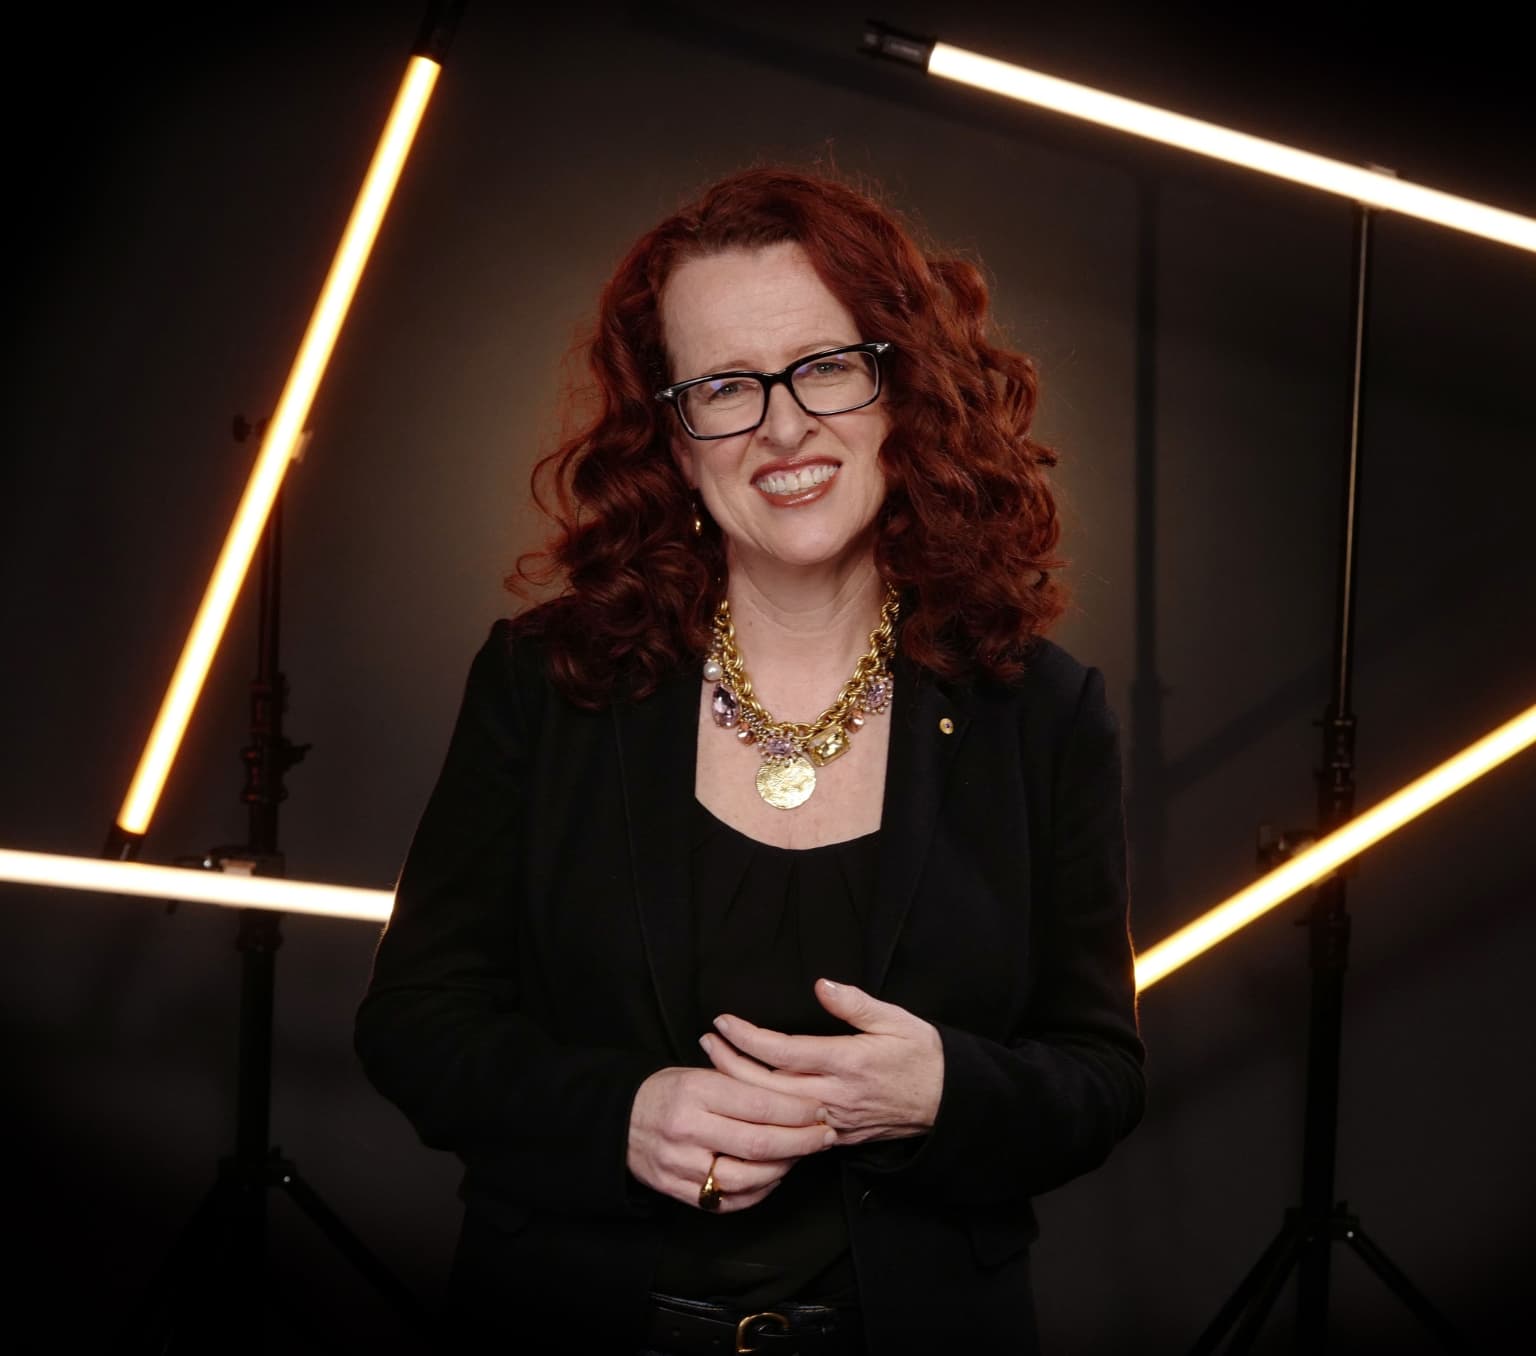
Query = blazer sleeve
x=1021 y=1117
x=439 y=1031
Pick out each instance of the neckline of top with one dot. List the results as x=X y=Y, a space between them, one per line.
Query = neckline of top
x=719 y=823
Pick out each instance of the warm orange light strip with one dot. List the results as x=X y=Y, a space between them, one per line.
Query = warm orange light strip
x=205 y=887
x=278 y=446
x=1328 y=854
x=1369 y=186
x=374 y=906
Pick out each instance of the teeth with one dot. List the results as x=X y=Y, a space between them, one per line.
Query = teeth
x=797 y=481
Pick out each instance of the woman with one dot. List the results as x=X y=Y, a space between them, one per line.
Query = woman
x=762 y=949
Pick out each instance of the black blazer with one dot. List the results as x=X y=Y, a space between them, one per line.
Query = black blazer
x=536 y=971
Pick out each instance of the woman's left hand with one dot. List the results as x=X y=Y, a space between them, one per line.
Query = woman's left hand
x=883 y=1082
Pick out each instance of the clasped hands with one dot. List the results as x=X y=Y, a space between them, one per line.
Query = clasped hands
x=771 y=1099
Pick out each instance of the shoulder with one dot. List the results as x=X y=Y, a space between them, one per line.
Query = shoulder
x=1056 y=688
x=510 y=652
x=509 y=671
x=587 y=663
x=528 y=654
x=1057 y=708
x=1053 y=675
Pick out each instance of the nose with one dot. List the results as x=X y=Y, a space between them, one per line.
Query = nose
x=785 y=423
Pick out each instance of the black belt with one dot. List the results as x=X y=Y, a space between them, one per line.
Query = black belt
x=697 y=1328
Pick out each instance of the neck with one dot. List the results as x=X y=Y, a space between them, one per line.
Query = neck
x=800 y=631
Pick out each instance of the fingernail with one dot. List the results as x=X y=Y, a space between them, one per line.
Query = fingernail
x=721 y=1023
x=829 y=1139
x=704 y=1041
x=821 y=1114
x=831 y=985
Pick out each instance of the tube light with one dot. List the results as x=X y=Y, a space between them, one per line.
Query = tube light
x=1374 y=188
x=1155 y=963
x=227 y=888
x=1329 y=853
x=278 y=446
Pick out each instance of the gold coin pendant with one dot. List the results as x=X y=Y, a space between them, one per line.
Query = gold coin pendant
x=786 y=782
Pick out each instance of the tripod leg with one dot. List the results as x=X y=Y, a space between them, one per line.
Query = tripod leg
x=348 y=1244
x=1264 y=1276
x=1403 y=1288
x=182 y=1295
x=1248 y=1330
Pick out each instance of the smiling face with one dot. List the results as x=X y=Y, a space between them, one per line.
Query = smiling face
x=800 y=489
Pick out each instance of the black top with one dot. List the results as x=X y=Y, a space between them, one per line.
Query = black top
x=768 y=922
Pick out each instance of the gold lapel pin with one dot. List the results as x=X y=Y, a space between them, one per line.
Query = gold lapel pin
x=946 y=725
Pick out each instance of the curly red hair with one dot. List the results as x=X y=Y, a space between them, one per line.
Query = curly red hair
x=969 y=527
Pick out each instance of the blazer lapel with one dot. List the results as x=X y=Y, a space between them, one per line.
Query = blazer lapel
x=658 y=749
x=929 y=721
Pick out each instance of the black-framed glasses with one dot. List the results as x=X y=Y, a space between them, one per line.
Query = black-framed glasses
x=725 y=404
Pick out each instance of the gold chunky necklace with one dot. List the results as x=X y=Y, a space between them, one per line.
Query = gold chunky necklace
x=793 y=750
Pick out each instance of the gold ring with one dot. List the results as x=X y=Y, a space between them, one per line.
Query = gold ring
x=709 y=1193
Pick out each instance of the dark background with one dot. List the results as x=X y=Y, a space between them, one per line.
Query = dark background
x=178 y=186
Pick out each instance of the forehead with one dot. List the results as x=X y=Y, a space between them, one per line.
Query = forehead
x=749 y=308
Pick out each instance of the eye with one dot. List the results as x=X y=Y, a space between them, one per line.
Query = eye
x=722 y=393
x=831 y=367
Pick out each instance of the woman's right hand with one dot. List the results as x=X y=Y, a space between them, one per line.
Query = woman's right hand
x=683 y=1120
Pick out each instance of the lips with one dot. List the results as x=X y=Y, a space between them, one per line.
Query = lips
x=787 y=483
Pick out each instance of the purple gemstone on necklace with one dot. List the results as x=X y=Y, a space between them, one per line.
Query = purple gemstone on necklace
x=725 y=708
x=778 y=746
x=877 y=694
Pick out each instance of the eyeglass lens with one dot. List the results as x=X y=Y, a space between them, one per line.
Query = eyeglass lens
x=828 y=384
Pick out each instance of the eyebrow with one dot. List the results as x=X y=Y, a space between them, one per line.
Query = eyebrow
x=742 y=365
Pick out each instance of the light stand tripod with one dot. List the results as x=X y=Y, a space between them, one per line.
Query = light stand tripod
x=211 y=1292
x=1310 y=1230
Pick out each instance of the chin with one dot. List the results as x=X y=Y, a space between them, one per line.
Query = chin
x=810 y=553
x=806 y=539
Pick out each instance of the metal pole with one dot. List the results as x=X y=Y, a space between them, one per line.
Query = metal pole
x=1329 y=920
